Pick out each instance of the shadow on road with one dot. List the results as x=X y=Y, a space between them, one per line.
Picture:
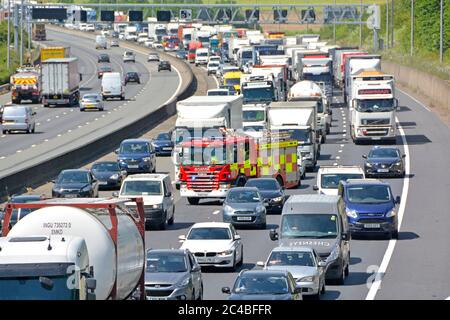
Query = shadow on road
x=407 y=235
x=355 y=260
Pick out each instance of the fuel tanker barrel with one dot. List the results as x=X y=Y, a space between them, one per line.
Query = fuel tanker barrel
x=303 y=90
x=93 y=225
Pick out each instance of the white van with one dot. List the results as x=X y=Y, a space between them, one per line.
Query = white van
x=328 y=177
x=100 y=42
x=112 y=86
x=201 y=56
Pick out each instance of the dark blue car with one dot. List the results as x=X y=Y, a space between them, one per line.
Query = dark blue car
x=163 y=144
x=136 y=156
x=370 y=206
x=384 y=161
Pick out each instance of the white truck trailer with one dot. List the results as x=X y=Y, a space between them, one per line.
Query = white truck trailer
x=73 y=249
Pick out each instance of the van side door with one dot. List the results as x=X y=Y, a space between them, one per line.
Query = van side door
x=168 y=197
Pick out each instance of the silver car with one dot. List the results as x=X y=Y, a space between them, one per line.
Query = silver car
x=18 y=118
x=172 y=275
x=303 y=263
x=91 y=101
x=129 y=56
x=244 y=206
x=114 y=43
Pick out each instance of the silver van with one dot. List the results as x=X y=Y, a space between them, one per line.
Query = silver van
x=320 y=222
x=18 y=118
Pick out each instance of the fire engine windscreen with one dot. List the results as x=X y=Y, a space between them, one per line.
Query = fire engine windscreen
x=303 y=136
x=187 y=134
x=375 y=105
x=203 y=155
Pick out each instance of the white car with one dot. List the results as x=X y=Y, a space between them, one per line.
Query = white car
x=121 y=36
x=328 y=177
x=106 y=33
x=91 y=101
x=90 y=28
x=141 y=40
x=157 y=46
x=215 y=58
x=148 y=43
x=212 y=67
x=214 y=244
x=82 y=26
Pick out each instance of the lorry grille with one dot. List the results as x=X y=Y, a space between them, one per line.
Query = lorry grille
x=159 y=293
x=376 y=132
x=375 y=122
x=204 y=181
x=205 y=254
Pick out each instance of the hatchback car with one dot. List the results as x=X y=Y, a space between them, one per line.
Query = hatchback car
x=18 y=214
x=244 y=206
x=384 y=161
x=18 y=118
x=264 y=285
x=132 y=77
x=114 y=43
x=271 y=192
x=136 y=156
x=104 y=57
x=129 y=56
x=102 y=70
x=172 y=275
x=91 y=101
x=181 y=54
x=163 y=144
x=108 y=174
x=75 y=183
x=164 y=65
x=153 y=57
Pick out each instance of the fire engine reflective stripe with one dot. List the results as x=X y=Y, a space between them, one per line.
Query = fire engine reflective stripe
x=266 y=170
x=283 y=144
x=288 y=167
x=282 y=158
x=24 y=81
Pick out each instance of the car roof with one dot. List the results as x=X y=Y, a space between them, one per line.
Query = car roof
x=262 y=179
x=364 y=182
x=147 y=176
x=171 y=251
x=75 y=170
x=211 y=225
x=134 y=141
x=265 y=272
x=340 y=169
x=311 y=204
x=293 y=249
x=105 y=162
x=241 y=189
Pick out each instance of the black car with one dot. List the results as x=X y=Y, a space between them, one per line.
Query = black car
x=132 y=77
x=164 y=65
x=163 y=144
x=384 y=161
x=103 y=58
x=75 y=183
x=271 y=191
x=108 y=174
x=18 y=214
x=115 y=34
x=264 y=285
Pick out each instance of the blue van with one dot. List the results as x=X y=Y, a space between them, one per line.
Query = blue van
x=370 y=206
x=136 y=156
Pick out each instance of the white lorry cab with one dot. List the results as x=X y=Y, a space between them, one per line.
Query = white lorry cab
x=254 y=119
x=328 y=177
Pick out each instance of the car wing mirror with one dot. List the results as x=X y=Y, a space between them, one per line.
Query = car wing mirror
x=237 y=237
x=344 y=236
x=403 y=156
x=182 y=238
x=397 y=200
x=116 y=151
x=315 y=188
x=322 y=264
x=364 y=156
x=273 y=234
x=260 y=264
x=226 y=290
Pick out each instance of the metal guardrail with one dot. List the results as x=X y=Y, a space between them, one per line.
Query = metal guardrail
x=5 y=88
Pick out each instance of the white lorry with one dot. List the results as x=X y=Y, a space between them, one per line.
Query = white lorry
x=234 y=45
x=203 y=37
x=278 y=72
x=259 y=88
x=73 y=249
x=311 y=91
x=254 y=117
x=131 y=33
x=318 y=68
x=298 y=120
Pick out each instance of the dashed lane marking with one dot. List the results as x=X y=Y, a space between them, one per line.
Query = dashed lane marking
x=33 y=145
x=59 y=135
x=335 y=164
x=19 y=151
x=337 y=157
x=3 y=157
x=216 y=212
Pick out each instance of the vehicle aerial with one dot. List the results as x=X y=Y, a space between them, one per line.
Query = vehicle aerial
x=164 y=65
x=230 y=88
x=104 y=57
x=26 y=85
x=264 y=285
x=244 y=206
x=132 y=76
x=181 y=54
x=91 y=101
x=319 y=222
x=157 y=194
x=129 y=56
x=218 y=92
x=38 y=32
x=305 y=265
x=114 y=43
x=103 y=69
x=163 y=144
x=272 y=193
x=152 y=56
x=75 y=183
x=60 y=81
x=18 y=214
x=112 y=86
x=108 y=174
x=212 y=67
x=201 y=56
x=101 y=42
x=136 y=156
x=173 y=274
x=107 y=268
x=18 y=118
x=384 y=161
x=370 y=206
x=214 y=244
x=328 y=177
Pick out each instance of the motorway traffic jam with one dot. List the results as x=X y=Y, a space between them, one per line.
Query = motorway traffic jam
x=244 y=154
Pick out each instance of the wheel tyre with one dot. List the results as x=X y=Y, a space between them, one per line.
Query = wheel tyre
x=81 y=109
x=233 y=268
x=263 y=226
x=304 y=174
x=162 y=225
x=172 y=219
x=34 y=129
x=193 y=201
x=341 y=279
x=4 y=131
x=347 y=270
x=200 y=296
x=394 y=234
x=323 y=290
x=241 y=262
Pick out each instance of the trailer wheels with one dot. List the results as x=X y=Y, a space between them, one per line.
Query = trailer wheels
x=193 y=201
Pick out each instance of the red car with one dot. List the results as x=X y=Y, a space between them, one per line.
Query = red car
x=102 y=70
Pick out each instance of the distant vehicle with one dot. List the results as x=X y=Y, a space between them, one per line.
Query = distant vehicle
x=132 y=77
x=149 y=43
x=181 y=54
x=328 y=177
x=18 y=214
x=370 y=207
x=215 y=58
x=230 y=88
x=384 y=161
x=90 y=27
x=153 y=57
x=163 y=144
x=201 y=56
x=115 y=34
x=264 y=285
x=271 y=192
x=129 y=56
x=108 y=174
x=218 y=92
x=224 y=69
x=104 y=57
x=75 y=183
x=91 y=101
x=114 y=43
x=112 y=86
x=157 y=194
x=173 y=275
x=212 y=67
x=244 y=206
x=157 y=45
x=164 y=65
x=102 y=70
x=121 y=36
x=214 y=244
x=101 y=42
x=18 y=118
x=136 y=156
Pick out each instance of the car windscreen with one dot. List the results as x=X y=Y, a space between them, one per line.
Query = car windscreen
x=7 y=111
x=91 y=97
x=263 y=184
x=253 y=115
x=106 y=167
x=261 y=284
x=368 y=194
x=242 y=196
x=166 y=262
x=209 y=234
x=384 y=153
x=134 y=148
x=73 y=177
x=291 y=258
x=163 y=136
x=309 y=226
x=141 y=188
x=331 y=181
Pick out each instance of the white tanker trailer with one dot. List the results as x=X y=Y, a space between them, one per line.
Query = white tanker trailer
x=73 y=249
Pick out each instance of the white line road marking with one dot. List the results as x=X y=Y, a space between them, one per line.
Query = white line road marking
x=69 y=131
x=96 y=119
x=420 y=103
x=38 y=124
x=87 y=122
x=103 y=116
x=109 y=112
x=3 y=157
x=216 y=212
x=342 y=145
x=19 y=151
x=80 y=126
x=401 y=211
x=71 y=110
x=64 y=113
x=56 y=117
x=335 y=164
x=339 y=151
x=59 y=135
x=448 y=298
x=337 y=157
x=45 y=140
x=48 y=120
x=344 y=135
x=3 y=135
x=33 y=145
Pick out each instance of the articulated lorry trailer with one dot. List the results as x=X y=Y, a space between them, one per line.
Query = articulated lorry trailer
x=356 y=64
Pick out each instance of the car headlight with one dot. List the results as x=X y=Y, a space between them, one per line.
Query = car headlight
x=260 y=209
x=226 y=252
x=351 y=213
x=397 y=164
x=183 y=283
x=145 y=159
x=391 y=213
x=227 y=208
x=369 y=165
x=307 y=279
x=115 y=176
x=277 y=199
x=156 y=206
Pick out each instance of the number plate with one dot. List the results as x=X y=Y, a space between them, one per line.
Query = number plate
x=133 y=166
x=103 y=183
x=167 y=148
x=156 y=298
x=202 y=194
x=89 y=106
x=383 y=170
x=372 y=226
x=376 y=138
x=70 y=196
x=244 y=218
